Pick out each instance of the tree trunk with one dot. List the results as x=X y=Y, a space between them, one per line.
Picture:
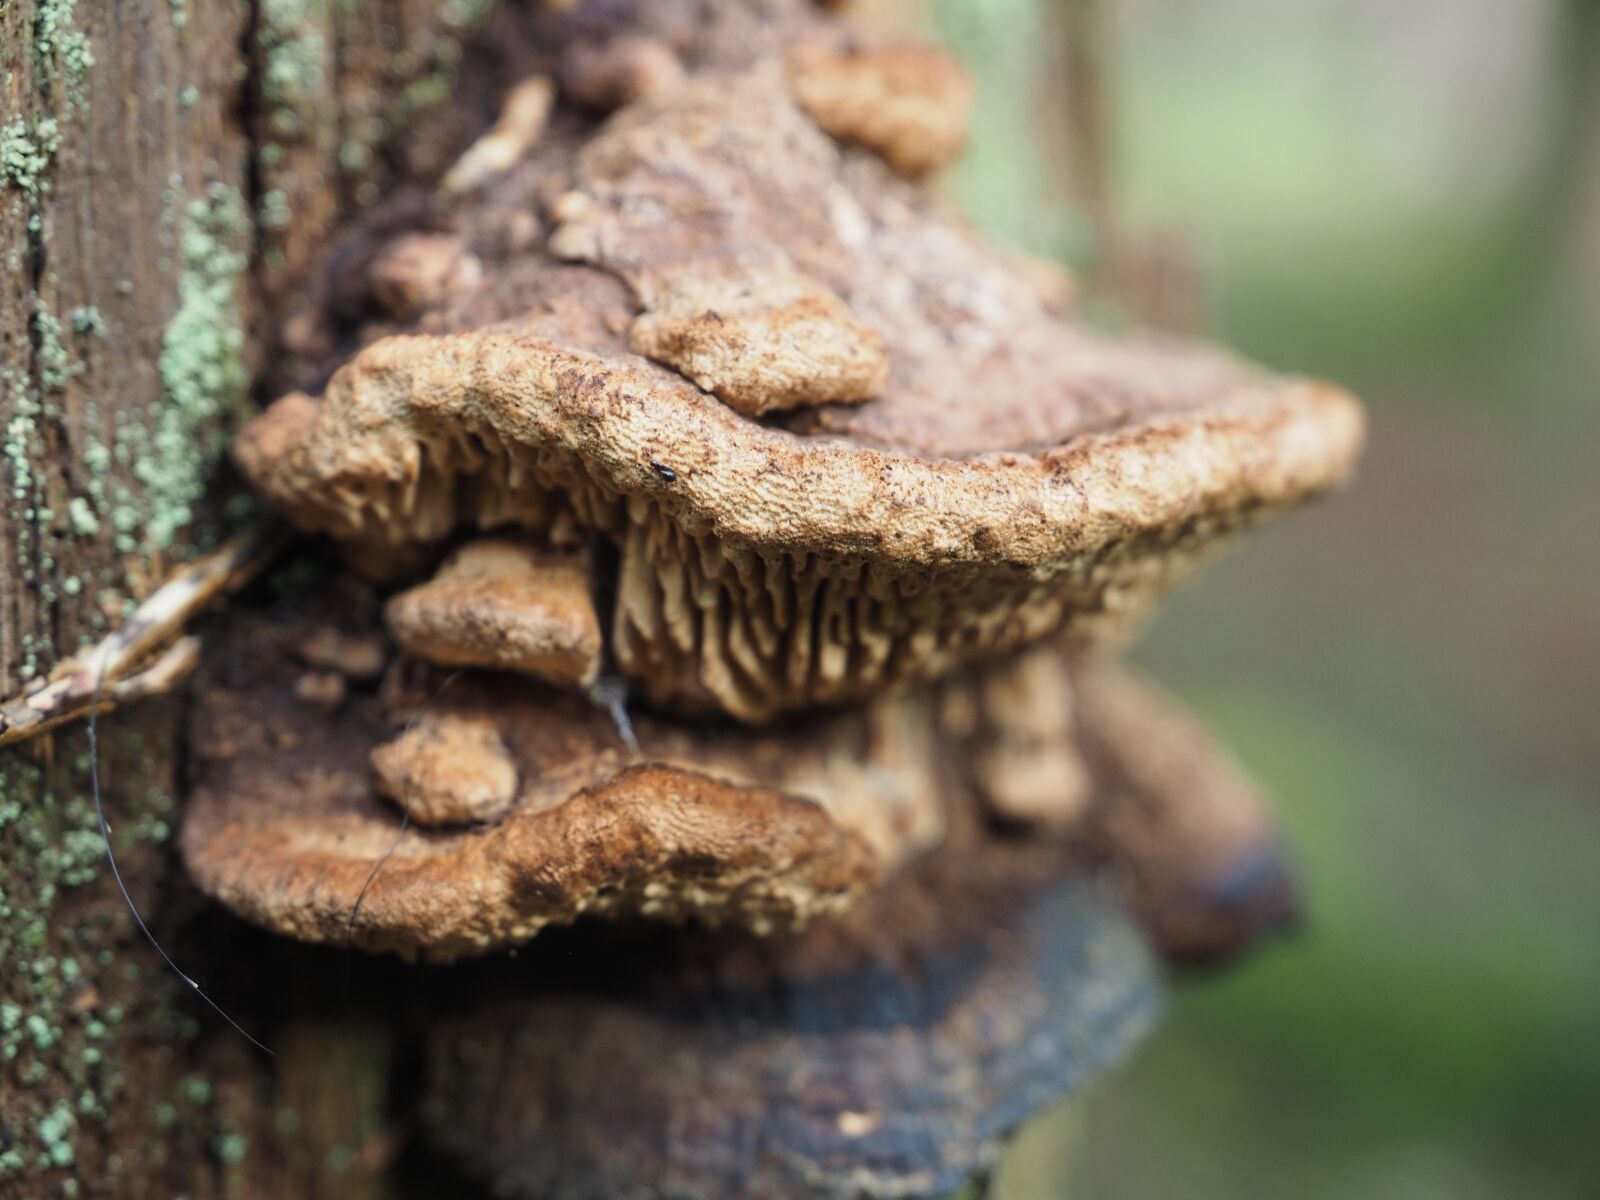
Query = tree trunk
x=168 y=172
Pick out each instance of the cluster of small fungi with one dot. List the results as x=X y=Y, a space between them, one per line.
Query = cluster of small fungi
x=729 y=537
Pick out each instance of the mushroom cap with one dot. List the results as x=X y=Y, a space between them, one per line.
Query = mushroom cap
x=1029 y=766
x=1014 y=474
x=1206 y=868
x=448 y=768
x=763 y=341
x=886 y=1055
x=908 y=102
x=499 y=602
x=607 y=74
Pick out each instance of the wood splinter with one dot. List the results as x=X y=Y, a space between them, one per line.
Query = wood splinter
x=112 y=665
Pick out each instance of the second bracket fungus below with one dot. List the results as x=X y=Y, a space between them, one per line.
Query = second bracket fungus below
x=753 y=538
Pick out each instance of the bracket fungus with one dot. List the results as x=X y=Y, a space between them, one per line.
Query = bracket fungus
x=501 y=603
x=534 y=810
x=743 y=543
x=908 y=103
x=531 y=811
x=943 y=469
x=448 y=768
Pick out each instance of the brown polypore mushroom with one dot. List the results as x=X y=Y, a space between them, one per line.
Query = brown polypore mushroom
x=358 y=657
x=1028 y=766
x=448 y=768
x=1208 y=873
x=499 y=602
x=760 y=830
x=997 y=474
x=909 y=102
x=535 y=813
x=889 y=1055
x=762 y=340
x=619 y=70
x=714 y=392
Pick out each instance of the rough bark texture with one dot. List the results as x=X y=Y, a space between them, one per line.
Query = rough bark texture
x=167 y=170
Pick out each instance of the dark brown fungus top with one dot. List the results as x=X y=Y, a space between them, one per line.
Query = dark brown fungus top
x=947 y=468
x=886 y=1056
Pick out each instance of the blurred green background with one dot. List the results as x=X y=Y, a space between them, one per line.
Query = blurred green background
x=1403 y=195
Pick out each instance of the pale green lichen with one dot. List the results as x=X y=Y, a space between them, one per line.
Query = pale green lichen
x=21 y=439
x=55 y=365
x=464 y=14
x=62 y=1036
x=26 y=154
x=30 y=143
x=202 y=367
x=61 y=51
x=294 y=53
x=43 y=843
x=231 y=1148
x=274 y=211
x=86 y=321
x=56 y=1131
x=22 y=446
x=82 y=515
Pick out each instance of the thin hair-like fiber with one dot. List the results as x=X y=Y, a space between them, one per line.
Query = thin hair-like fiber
x=111 y=858
x=405 y=817
x=351 y=1069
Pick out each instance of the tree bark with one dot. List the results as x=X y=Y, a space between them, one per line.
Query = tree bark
x=169 y=170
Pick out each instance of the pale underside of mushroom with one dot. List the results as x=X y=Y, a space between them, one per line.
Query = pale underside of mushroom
x=947 y=469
